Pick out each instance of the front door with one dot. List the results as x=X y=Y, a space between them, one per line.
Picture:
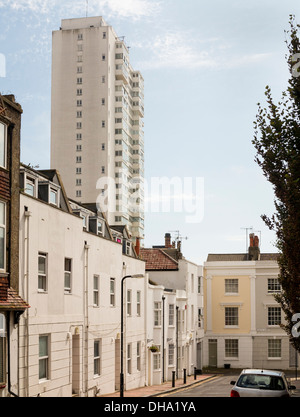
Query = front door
x=199 y=355
x=212 y=352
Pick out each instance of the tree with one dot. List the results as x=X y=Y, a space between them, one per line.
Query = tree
x=277 y=143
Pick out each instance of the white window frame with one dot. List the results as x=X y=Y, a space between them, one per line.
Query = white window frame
x=274 y=349
x=44 y=358
x=43 y=275
x=273 y=286
x=157 y=359
x=157 y=313
x=54 y=191
x=171 y=314
x=129 y=303
x=231 y=349
x=200 y=283
x=138 y=356
x=231 y=316
x=96 y=292
x=68 y=273
x=2 y=350
x=129 y=358
x=273 y=313
x=231 y=286
x=97 y=357
x=138 y=303
x=31 y=181
x=3 y=162
x=3 y=227
x=171 y=354
x=112 y=292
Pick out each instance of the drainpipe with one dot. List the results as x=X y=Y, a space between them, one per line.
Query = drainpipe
x=146 y=289
x=27 y=215
x=86 y=316
x=177 y=308
x=163 y=341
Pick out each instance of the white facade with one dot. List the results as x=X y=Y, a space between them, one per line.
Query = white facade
x=71 y=278
x=97 y=138
x=183 y=289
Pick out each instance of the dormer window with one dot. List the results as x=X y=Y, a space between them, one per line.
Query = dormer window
x=99 y=227
x=96 y=226
x=30 y=186
x=128 y=247
x=53 y=198
x=84 y=221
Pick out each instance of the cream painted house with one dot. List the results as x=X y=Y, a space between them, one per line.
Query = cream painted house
x=242 y=318
x=71 y=266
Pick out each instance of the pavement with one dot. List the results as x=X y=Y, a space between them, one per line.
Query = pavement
x=165 y=387
x=180 y=384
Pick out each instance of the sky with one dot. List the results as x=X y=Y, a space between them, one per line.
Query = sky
x=206 y=65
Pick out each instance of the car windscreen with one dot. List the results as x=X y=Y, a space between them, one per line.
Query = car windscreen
x=259 y=381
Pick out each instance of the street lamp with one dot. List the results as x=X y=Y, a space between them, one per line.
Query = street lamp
x=122 y=331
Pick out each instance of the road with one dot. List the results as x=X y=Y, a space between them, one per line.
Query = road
x=217 y=387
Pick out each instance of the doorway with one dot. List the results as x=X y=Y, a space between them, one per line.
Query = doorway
x=117 y=363
x=75 y=364
x=212 y=352
x=199 y=355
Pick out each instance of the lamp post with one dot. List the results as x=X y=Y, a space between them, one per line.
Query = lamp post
x=122 y=330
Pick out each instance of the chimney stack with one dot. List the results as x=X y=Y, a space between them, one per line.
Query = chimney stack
x=137 y=246
x=254 y=251
x=168 y=240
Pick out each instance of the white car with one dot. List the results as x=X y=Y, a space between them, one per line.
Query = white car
x=261 y=383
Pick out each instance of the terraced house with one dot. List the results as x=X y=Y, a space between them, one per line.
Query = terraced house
x=242 y=318
x=71 y=267
x=175 y=311
x=12 y=306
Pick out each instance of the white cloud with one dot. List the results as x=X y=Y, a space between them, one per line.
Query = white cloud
x=184 y=50
x=135 y=9
x=132 y=8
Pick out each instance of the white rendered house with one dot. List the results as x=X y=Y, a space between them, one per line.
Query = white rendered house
x=175 y=300
x=71 y=268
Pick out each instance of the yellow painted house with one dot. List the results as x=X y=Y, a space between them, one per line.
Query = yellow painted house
x=241 y=317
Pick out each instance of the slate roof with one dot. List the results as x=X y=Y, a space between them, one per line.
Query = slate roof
x=237 y=257
x=9 y=298
x=158 y=260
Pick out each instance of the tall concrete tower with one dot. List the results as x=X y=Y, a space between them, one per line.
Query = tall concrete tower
x=97 y=110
